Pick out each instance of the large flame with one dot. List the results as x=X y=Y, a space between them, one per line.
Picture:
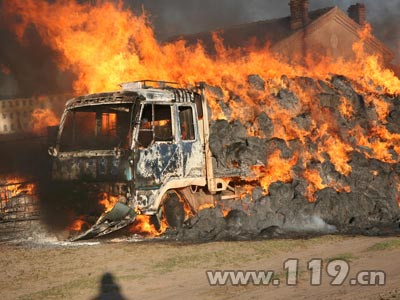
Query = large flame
x=106 y=44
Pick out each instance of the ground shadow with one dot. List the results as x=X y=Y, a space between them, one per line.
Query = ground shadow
x=109 y=289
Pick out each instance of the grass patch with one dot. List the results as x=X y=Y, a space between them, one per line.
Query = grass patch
x=131 y=277
x=67 y=290
x=388 y=245
x=268 y=248
x=63 y=291
x=184 y=261
x=349 y=257
x=230 y=254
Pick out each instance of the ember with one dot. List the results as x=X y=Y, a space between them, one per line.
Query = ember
x=78 y=225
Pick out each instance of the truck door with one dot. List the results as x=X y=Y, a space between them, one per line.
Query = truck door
x=156 y=151
x=190 y=143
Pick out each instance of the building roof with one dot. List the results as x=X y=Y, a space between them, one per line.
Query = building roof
x=256 y=33
x=277 y=31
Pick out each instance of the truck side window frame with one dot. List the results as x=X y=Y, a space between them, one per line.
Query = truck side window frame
x=187 y=128
x=159 y=129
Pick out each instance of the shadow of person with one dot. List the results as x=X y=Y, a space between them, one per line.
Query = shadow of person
x=109 y=290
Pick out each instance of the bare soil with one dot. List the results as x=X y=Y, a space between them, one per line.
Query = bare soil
x=169 y=270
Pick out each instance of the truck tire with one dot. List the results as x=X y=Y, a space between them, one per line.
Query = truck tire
x=173 y=210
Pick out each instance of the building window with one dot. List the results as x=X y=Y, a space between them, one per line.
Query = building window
x=4 y=116
x=23 y=102
x=11 y=116
x=5 y=128
x=12 y=127
x=30 y=102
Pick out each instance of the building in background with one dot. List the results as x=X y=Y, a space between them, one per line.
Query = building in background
x=17 y=114
x=323 y=32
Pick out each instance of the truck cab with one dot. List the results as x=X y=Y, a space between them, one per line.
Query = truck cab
x=145 y=144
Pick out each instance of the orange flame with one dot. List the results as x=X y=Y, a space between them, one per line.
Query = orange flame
x=78 y=225
x=314 y=183
x=206 y=206
x=278 y=169
x=41 y=118
x=338 y=153
x=107 y=201
x=225 y=211
x=144 y=226
x=107 y=44
x=346 y=109
x=14 y=186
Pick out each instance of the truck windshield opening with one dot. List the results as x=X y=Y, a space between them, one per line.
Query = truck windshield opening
x=102 y=127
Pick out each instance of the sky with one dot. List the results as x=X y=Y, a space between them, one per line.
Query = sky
x=38 y=74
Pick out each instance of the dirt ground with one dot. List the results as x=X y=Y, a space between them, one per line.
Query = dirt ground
x=169 y=270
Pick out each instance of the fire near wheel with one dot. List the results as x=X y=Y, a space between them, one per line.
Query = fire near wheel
x=171 y=210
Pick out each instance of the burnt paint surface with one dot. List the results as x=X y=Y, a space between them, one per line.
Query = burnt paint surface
x=156 y=164
x=163 y=161
x=193 y=159
x=99 y=168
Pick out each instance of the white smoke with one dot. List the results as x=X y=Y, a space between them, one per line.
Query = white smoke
x=312 y=224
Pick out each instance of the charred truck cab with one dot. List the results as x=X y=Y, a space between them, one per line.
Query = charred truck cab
x=146 y=144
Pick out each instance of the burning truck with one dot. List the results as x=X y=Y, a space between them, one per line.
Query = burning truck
x=154 y=153
x=146 y=146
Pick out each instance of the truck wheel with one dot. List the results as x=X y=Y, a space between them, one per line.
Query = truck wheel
x=173 y=210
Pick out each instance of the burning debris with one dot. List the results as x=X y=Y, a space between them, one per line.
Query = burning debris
x=19 y=208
